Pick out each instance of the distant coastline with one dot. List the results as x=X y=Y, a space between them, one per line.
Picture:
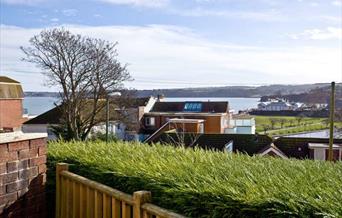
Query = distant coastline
x=218 y=92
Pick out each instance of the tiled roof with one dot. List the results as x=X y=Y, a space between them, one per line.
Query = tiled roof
x=53 y=116
x=207 y=107
x=49 y=117
x=245 y=143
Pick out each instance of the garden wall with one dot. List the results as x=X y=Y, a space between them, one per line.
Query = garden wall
x=22 y=175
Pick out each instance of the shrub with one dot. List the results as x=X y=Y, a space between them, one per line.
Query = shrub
x=202 y=183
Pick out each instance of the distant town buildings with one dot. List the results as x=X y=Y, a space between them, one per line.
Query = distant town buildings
x=280 y=105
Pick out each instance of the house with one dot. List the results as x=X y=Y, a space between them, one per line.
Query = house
x=11 y=104
x=213 y=117
x=241 y=124
x=275 y=105
x=320 y=151
x=123 y=130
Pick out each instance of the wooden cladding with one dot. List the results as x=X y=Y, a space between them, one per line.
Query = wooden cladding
x=77 y=196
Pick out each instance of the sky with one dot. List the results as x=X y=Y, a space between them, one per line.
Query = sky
x=188 y=43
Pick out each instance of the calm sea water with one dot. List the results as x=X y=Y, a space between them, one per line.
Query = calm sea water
x=38 y=105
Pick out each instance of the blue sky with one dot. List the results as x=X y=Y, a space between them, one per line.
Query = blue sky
x=189 y=43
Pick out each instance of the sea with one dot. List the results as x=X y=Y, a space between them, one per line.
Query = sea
x=38 y=105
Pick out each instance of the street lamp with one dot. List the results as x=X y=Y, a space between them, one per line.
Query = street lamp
x=107 y=111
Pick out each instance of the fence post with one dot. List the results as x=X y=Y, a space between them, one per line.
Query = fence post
x=59 y=168
x=140 y=198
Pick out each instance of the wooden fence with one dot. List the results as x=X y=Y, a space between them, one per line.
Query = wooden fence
x=77 y=196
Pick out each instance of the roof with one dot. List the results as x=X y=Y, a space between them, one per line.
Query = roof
x=49 y=117
x=272 y=150
x=10 y=88
x=245 y=143
x=242 y=116
x=5 y=79
x=206 y=107
x=323 y=145
x=53 y=116
x=137 y=102
x=176 y=120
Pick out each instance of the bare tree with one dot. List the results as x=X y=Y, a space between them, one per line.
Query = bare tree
x=291 y=122
x=282 y=121
x=85 y=70
x=299 y=119
x=273 y=122
x=265 y=127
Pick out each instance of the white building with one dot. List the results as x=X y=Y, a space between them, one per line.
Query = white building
x=319 y=151
x=275 y=105
x=241 y=124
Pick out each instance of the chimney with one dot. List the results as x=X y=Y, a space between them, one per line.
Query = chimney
x=160 y=97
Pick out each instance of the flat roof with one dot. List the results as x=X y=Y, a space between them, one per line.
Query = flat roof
x=176 y=120
x=323 y=145
x=185 y=114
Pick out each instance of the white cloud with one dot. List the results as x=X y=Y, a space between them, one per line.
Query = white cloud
x=171 y=56
x=70 y=12
x=337 y=3
x=140 y=3
x=22 y=2
x=330 y=33
x=270 y=15
x=55 y=19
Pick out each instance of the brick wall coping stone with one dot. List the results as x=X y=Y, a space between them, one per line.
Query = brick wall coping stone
x=19 y=136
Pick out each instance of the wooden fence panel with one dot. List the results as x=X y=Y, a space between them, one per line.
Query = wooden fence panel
x=78 y=197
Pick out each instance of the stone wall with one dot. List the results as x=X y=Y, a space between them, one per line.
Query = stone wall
x=22 y=175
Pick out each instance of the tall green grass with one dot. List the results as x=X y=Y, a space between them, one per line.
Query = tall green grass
x=200 y=183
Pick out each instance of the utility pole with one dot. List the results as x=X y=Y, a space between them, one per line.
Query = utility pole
x=331 y=130
x=107 y=117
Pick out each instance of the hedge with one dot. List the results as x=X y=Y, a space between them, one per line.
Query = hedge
x=204 y=183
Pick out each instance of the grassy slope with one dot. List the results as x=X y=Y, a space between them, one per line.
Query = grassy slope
x=307 y=124
x=201 y=183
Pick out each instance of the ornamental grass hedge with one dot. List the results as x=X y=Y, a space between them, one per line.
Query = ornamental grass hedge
x=203 y=183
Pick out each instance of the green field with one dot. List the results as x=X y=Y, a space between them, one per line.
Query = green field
x=283 y=125
x=201 y=183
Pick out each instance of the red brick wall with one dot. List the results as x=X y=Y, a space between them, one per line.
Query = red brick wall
x=11 y=113
x=22 y=178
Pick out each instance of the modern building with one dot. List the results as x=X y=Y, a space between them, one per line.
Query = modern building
x=241 y=124
x=11 y=104
x=214 y=117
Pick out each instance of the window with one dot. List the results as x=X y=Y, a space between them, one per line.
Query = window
x=193 y=107
x=149 y=121
x=229 y=146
